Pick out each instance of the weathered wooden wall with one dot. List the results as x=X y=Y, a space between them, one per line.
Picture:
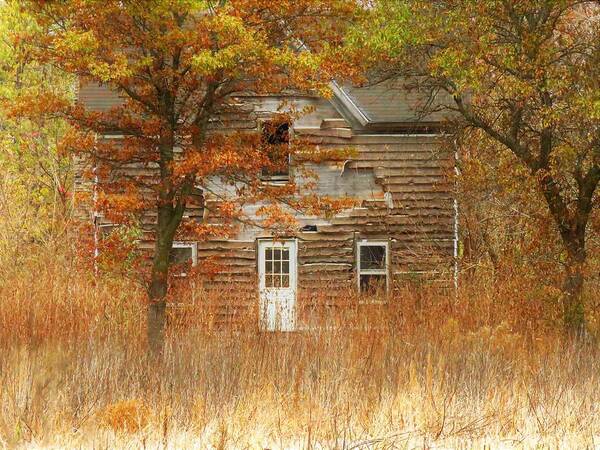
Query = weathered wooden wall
x=405 y=193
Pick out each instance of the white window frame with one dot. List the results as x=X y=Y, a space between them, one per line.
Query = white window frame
x=385 y=271
x=194 y=247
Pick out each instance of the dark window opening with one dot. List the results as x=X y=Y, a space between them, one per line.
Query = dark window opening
x=276 y=139
x=372 y=268
x=372 y=257
x=181 y=255
x=106 y=230
x=309 y=229
x=181 y=258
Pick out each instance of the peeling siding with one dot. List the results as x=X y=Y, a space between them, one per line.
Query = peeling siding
x=405 y=193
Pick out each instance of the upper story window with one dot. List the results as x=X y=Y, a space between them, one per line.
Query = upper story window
x=372 y=266
x=276 y=139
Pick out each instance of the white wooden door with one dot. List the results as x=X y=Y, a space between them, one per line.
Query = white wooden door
x=277 y=272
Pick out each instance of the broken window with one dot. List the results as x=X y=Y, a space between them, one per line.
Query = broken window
x=372 y=267
x=276 y=139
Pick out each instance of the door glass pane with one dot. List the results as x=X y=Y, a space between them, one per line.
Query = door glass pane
x=268 y=280
x=372 y=257
x=277 y=267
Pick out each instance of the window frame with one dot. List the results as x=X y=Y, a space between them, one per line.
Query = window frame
x=261 y=259
x=183 y=244
x=385 y=271
x=102 y=227
x=281 y=273
x=278 y=180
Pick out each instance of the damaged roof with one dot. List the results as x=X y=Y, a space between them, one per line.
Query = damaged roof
x=390 y=106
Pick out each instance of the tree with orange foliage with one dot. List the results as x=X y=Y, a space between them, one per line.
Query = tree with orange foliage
x=521 y=76
x=178 y=65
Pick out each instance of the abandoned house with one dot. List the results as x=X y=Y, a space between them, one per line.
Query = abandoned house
x=404 y=229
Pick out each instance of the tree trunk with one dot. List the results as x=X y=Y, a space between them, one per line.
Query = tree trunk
x=157 y=307
x=157 y=290
x=157 y=304
x=573 y=304
x=572 y=289
x=572 y=228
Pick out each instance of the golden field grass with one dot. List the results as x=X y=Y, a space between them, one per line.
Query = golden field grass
x=488 y=368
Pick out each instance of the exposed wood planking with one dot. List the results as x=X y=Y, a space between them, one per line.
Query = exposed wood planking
x=418 y=219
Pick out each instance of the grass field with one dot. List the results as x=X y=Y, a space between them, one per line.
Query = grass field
x=489 y=368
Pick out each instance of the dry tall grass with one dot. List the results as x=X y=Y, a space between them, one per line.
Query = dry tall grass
x=490 y=368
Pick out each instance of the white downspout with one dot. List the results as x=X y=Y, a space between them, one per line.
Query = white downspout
x=95 y=213
x=456 y=173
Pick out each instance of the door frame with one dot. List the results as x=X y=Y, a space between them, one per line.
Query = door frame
x=260 y=260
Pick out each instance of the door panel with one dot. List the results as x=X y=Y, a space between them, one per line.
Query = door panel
x=277 y=264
